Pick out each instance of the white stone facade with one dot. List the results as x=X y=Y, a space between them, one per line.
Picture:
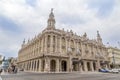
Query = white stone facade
x=57 y=50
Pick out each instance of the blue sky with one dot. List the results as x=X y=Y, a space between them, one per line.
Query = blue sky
x=21 y=19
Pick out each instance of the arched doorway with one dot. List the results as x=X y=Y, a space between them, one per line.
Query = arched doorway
x=38 y=65
x=32 y=64
x=94 y=66
x=27 y=65
x=64 y=66
x=35 y=66
x=52 y=65
x=88 y=66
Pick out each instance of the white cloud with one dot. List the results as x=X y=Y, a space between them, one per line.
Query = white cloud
x=33 y=19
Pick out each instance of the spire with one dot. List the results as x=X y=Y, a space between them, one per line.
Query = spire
x=99 y=39
x=51 y=20
x=98 y=35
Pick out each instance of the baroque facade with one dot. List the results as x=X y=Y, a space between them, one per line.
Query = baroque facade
x=56 y=50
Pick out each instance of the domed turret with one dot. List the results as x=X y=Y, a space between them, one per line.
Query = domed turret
x=51 y=20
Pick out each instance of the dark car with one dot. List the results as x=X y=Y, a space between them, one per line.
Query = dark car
x=103 y=70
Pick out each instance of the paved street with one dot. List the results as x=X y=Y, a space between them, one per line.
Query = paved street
x=61 y=76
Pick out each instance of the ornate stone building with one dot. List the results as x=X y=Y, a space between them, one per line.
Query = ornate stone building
x=56 y=50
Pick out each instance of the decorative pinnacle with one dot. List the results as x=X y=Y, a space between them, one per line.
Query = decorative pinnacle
x=51 y=9
x=98 y=33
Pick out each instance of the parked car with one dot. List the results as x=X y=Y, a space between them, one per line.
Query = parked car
x=103 y=70
x=114 y=70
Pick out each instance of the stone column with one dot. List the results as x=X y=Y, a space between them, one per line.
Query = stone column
x=85 y=65
x=91 y=65
x=57 y=65
x=25 y=66
x=47 y=65
x=39 y=65
x=98 y=65
x=70 y=64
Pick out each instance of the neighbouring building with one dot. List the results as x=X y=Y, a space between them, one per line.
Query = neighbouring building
x=114 y=57
x=56 y=50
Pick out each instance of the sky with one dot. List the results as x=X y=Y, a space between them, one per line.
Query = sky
x=21 y=19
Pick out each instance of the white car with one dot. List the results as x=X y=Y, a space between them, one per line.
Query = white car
x=114 y=71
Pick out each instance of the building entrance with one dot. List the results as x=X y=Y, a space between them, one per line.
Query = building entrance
x=64 y=65
x=52 y=65
x=88 y=66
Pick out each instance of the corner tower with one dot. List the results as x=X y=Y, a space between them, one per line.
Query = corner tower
x=51 y=21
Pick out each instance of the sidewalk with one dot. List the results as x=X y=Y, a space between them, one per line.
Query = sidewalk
x=64 y=72
x=4 y=73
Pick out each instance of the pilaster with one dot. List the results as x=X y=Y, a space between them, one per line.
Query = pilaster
x=57 y=66
x=45 y=48
x=56 y=42
x=91 y=65
x=39 y=65
x=51 y=43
